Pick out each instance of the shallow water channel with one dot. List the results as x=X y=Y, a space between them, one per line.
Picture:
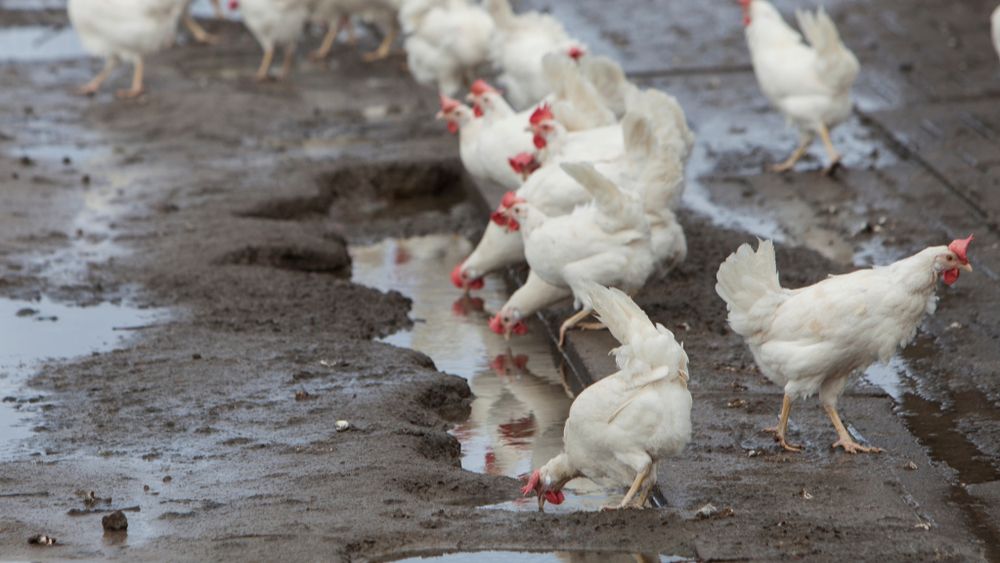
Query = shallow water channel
x=520 y=401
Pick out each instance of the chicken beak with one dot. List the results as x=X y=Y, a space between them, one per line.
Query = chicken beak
x=440 y=115
x=471 y=98
x=506 y=333
x=967 y=267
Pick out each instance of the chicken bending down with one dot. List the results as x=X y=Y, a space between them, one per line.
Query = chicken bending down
x=605 y=242
x=620 y=427
x=274 y=23
x=124 y=29
x=810 y=340
x=338 y=14
x=198 y=32
x=446 y=40
x=809 y=84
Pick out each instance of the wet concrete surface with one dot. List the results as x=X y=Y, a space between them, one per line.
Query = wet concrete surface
x=244 y=212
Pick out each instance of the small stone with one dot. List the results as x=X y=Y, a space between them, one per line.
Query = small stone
x=168 y=479
x=195 y=356
x=736 y=403
x=806 y=494
x=26 y=312
x=911 y=466
x=342 y=425
x=954 y=325
x=707 y=511
x=115 y=522
x=42 y=539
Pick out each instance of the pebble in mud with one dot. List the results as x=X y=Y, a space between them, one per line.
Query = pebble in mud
x=42 y=539
x=342 y=425
x=115 y=522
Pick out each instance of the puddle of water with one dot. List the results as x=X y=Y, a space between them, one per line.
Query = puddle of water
x=39 y=43
x=547 y=557
x=35 y=331
x=521 y=404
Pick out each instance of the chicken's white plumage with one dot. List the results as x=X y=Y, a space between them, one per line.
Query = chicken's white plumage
x=445 y=41
x=622 y=425
x=518 y=45
x=995 y=29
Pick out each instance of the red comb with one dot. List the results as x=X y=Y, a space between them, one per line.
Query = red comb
x=532 y=483
x=481 y=87
x=541 y=113
x=449 y=105
x=524 y=162
x=234 y=4
x=575 y=52
x=960 y=247
x=509 y=199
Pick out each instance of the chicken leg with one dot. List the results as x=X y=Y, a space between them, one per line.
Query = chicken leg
x=289 y=59
x=383 y=49
x=265 y=65
x=782 y=427
x=570 y=323
x=198 y=32
x=331 y=35
x=844 y=437
x=640 y=479
x=137 y=89
x=796 y=155
x=824 y=134
x=91 y=88
x=217 y=9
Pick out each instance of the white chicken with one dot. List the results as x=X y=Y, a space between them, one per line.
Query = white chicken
x=620 y=427
x=517 y=48
x=337 y=15
x=810 y=340
x=486 y=145
x=197 y=31
x=605 y=242
x=995 y=29
x=445 y=41
x=274 y=23
x=650 y=158
x=123 y=29
x=660 y=184
x=809 y=84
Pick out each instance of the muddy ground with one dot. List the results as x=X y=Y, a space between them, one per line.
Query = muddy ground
x=229 y=204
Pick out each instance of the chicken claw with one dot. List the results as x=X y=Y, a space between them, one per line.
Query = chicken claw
x=780 y=439
x=852 y=447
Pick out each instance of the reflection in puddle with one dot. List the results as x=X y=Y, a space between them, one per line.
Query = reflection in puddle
x=521 y=404
x=37 y=43
x=34 y=331
x=548 y=557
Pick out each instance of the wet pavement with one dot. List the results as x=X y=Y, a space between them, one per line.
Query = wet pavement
x=248 y=219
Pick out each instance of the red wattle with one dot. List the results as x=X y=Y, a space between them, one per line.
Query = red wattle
x=950 y=276
x=496 y=325
x=452 y=127
x=476 y=283
x=539 y=141
x=513 y=225
x=234 y=4
x=520 y=329
x=477 y=110
x=555 y=497
x=499 y=218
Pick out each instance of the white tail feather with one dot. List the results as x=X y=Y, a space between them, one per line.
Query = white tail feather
x=744 y=279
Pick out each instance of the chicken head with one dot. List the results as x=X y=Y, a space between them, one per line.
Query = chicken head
x=950 y=264
x=545 y=491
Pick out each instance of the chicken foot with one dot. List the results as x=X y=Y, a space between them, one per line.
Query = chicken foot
x=782 y=427
x=844 y=437
x=331 y=35
x=824 y=134
x=796 y=155
x=198 y=32
x=91 y=88
x=289 y=59
x=137 y=89
x=383 y=49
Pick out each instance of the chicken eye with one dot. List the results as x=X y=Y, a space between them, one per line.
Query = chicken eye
x=950 y=258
